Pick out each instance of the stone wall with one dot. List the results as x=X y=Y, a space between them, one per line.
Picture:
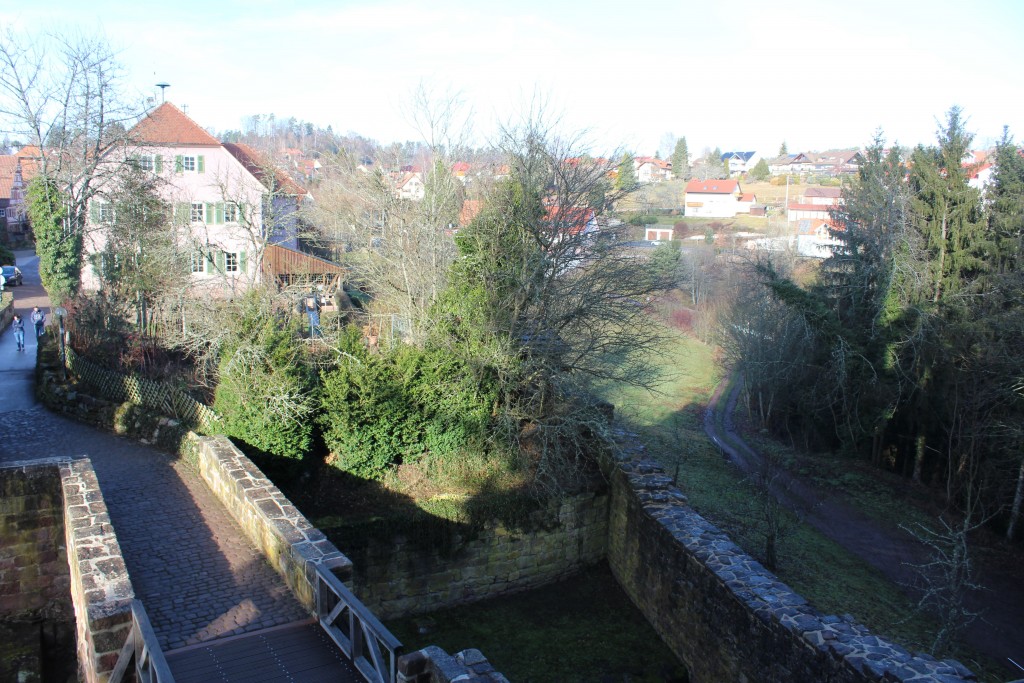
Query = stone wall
x=34 y=578
x=100 y=588
x=290 y=543
x=723 y=614
x=434 y=665
x=395 y=576
x=65 y=549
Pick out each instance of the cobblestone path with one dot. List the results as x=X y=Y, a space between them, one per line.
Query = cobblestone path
x=188 y=560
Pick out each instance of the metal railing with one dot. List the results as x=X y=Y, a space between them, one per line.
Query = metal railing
x=143 y=648
x=371 y=647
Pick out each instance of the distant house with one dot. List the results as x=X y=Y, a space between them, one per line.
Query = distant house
x=460 y=170
x=790 y=163
x=658 y=233
x=814 y=238
x=979 y=176
x=12 y=197
x=828 y=196
x=651 y=170
x=409 y=185
x=739 y=163
x=835 y=162
x=745 y=202
x=712 y=198
x=233 y=203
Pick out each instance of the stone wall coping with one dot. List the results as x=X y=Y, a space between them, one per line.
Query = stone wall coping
x=254 y=500
x=763 y=594
x=434 y=665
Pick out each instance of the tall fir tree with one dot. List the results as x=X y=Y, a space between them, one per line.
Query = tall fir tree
x=681 y=160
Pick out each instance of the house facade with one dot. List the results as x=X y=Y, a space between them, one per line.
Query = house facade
x=739 y=163
x=12 y=197
x=651 y=170
x=712 y=198
x=229 y=202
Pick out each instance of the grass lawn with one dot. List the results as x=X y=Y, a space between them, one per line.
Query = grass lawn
x=581 y=629
x=832 y=579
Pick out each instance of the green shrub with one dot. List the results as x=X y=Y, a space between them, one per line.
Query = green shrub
x=380 y=410
x=265 y=394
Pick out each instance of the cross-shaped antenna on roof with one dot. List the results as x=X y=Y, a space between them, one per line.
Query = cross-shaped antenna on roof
x=163 y=87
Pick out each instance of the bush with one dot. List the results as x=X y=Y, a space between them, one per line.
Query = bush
x=265 y=394
x=6 y=256
x=381 y=410
x=642 y=219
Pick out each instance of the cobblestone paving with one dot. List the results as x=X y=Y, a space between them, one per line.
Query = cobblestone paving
x=189 y=563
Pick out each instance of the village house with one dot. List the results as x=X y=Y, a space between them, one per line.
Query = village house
x=233 y=204
x=814 y=238
x=651 y=170
x=790 y=164
x=739 y=163
x=12 y=197
x=712 y=198
x=816 y=203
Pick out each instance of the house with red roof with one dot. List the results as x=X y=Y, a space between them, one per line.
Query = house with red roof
x=745 y=201
x=12 y=197
x=651 y=170
x=817 y=203
x=233 y=202
x=979 y=175
x=712 y=198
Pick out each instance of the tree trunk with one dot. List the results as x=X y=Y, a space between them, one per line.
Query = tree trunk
x=918 y=458
x=1018 y=498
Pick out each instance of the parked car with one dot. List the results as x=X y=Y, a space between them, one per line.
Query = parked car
x=13 y=275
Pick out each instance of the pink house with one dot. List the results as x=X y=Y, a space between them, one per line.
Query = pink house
x=230 y=200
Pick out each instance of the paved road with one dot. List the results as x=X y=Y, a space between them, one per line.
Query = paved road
x=189 y=562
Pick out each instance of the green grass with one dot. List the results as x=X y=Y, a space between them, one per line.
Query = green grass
x=581 y=629
x=829 y=577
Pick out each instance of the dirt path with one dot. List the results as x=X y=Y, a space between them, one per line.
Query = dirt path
x=999 y=634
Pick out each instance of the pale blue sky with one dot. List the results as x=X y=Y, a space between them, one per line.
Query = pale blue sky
x=738 y=75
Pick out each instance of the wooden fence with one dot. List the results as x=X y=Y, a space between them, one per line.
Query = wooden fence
x=119 y=387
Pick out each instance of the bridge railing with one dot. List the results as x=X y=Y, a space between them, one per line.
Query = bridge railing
x=142 y=647
x=372 y=648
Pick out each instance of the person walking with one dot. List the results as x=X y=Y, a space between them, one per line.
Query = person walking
x=38 y=319
x=18 y=325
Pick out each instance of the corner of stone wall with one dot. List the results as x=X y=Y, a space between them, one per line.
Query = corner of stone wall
x=721 y=611
x=101 y=590
x=434 y=665
x=293 y=546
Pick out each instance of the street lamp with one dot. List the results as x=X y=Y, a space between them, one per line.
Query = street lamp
x=61 y=313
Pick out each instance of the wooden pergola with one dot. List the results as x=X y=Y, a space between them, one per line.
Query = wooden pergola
x=289 y=267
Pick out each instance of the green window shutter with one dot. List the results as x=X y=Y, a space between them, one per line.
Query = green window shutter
x=220 y=212
x=220 y=261
x=211 y=213
x=94 y=211
x=179 y=164
x=183 y=212
x=210 y=265
x=201 y=164
x=242 y=263
x=158 y=163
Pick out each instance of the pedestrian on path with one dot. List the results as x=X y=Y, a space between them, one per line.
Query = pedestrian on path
x=38 y=319
x=18 y=325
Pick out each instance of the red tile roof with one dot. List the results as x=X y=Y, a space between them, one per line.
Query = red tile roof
x=712 y=186
x=261 y=168
x=469 y=211
x=30 y=156
x=747 y=197
x=830 y=192
x=8 y=164
x=168 y=125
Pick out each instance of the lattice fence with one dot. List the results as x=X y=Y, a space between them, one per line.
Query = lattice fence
x=119 y=387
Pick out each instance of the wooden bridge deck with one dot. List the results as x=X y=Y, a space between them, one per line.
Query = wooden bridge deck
x=297 y=653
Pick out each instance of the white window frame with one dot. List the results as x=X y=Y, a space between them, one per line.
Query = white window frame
x=106 y=212
x=198 y=262
x=230 y=212
x=196 y=212
x=147 y=162
x=188 y=163
x=231 y=262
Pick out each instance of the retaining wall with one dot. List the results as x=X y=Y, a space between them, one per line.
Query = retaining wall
x=397 y=576
x=57 y=503
x=725 y=615
x=292 y=545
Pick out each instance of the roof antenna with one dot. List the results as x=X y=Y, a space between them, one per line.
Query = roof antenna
x=163 y=87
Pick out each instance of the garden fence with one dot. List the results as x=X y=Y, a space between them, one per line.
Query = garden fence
x=116 y=386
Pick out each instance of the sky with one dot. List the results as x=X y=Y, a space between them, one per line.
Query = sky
x=741 y=76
